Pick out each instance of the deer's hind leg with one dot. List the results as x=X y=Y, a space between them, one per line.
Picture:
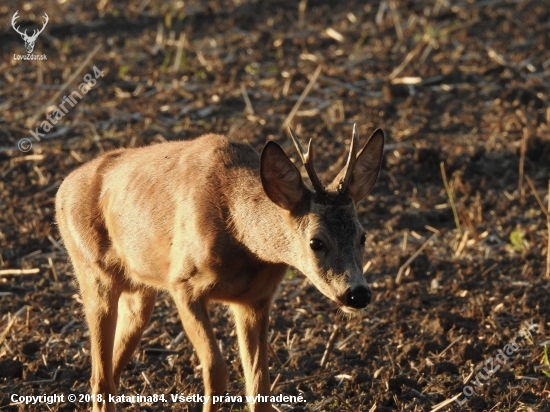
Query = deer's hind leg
x=100 y=292
x=135 y=307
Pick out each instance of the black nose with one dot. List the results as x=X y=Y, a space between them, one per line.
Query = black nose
x=358 y=298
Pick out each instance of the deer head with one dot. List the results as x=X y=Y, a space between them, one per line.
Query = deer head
x=29 y=40
x=327 y=241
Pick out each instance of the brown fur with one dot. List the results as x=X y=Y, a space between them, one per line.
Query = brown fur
x=193 y=218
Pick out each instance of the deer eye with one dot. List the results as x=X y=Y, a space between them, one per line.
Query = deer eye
x=316 y=244
x=363 y=239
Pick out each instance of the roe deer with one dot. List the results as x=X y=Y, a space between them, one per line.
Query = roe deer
x=208 y=220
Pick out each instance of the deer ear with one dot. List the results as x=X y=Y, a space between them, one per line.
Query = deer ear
x=281 y=179
x=367 y=167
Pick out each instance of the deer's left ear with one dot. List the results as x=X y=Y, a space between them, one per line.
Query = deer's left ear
x=367 y=167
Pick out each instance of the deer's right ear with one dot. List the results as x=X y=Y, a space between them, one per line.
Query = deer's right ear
x=281 y=179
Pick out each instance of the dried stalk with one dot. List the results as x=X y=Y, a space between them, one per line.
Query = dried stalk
x=56 y=96
x=546 y=211
x=408 y=58
x=523 y=151
x=52 y=267
x=451 y=197
x=330 y=345
x=537 y=197
x=304 y=94
x=247 y=101
x=411 y=259
x=445 y=403
x=8 y=272
x=12 y=322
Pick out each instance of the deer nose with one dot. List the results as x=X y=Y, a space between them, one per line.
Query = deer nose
x=358 y=297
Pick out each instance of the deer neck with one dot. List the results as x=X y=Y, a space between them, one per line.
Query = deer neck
x=261 y=226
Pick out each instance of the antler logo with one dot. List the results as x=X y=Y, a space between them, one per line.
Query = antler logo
x=29 y=40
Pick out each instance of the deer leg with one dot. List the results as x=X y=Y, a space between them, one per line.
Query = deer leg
x=100 y=292
x=135 y=307
x=194 y=316
x=252 y=321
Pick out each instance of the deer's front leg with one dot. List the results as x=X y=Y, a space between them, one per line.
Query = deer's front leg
x=252 y=321
x=194 y=315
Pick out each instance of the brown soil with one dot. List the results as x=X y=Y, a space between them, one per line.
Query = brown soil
x=477 y=100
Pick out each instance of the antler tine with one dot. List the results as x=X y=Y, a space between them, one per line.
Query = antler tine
x=13 y=19
x=46 y=20
x=307 y=160
x=352 y=159
x=37 y=32
x=298 y=145
x=317 y=185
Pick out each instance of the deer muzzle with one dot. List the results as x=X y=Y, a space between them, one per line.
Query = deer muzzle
x=357 y=297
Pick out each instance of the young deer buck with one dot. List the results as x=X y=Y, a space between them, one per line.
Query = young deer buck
x=208 y=220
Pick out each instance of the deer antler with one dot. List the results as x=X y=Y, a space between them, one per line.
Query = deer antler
x=352 y=158
x=307 y=160
x=15 y=16
x=35 y=32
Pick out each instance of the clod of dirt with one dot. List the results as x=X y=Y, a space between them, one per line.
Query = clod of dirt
x=30 y=348
x=428 y=155
x=11 y=369
x=409 y=352
x=361 y=377
x=4 y=399
x=505 y=375
x=448 y=320
x=448 y=368
x=69 y=375
x=396 y=384
x=471 y=352
x=434 y=346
